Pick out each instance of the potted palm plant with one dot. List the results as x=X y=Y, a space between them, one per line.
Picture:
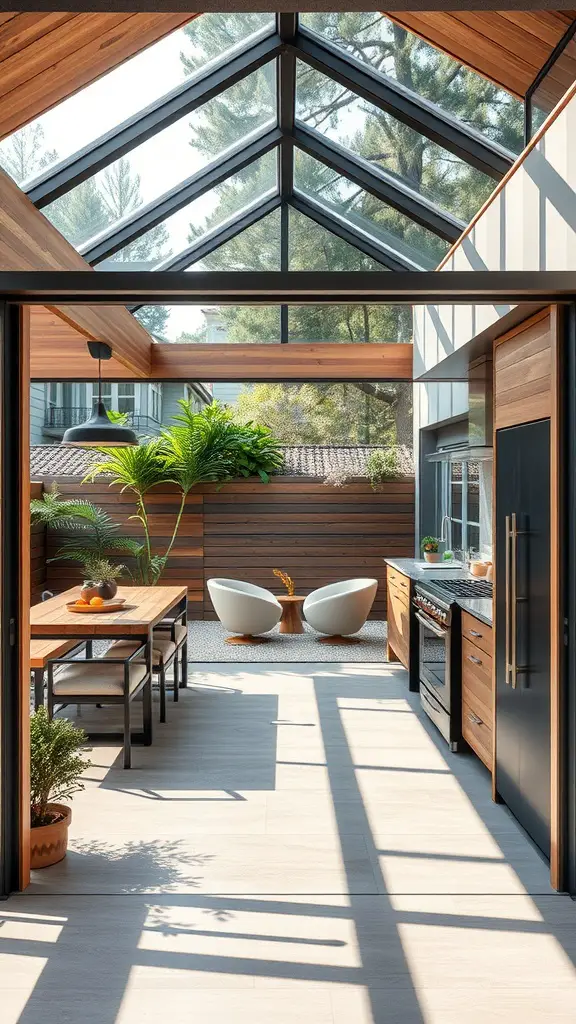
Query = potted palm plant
x=56 y=768
x=430 y=546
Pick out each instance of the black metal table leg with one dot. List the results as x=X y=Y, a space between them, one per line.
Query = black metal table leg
x=38 y=688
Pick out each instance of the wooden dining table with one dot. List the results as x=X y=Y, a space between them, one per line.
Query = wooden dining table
x=145 y=607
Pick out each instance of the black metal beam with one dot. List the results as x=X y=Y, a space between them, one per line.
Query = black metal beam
x=389 y=95
x=379 y=183
x=148 y=122
x=75 y=287
x=287 y=28
x=146 y=217
x=325 y=218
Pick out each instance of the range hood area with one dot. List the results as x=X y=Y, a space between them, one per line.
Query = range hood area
x=478 y=446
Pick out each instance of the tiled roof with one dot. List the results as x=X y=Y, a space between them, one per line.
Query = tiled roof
x=324 y=461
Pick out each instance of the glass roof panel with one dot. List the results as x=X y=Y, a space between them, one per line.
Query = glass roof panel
x=198 y=218
x=166 y=159
x=81 y=119
x=350 y=324
x=255 y=248
x=380 y=139
x=312 y=247
x=367 y=215
x=371 y=37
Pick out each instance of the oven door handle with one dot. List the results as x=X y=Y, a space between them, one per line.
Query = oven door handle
x=431 y=626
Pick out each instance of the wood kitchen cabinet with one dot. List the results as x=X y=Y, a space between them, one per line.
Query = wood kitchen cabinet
x=477 y=687
x=402 y=643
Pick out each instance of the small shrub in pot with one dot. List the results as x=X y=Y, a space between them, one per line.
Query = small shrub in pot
x=430 y=547
x=56 y=768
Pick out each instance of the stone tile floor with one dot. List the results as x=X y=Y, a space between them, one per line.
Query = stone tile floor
x=299 y=847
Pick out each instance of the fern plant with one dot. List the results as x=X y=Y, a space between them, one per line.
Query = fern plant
x=94 y=534
x=56 y=766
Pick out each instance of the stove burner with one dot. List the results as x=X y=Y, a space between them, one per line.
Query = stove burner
x=462 y=588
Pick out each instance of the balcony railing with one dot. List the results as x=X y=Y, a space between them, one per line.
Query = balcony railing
x=62 y=417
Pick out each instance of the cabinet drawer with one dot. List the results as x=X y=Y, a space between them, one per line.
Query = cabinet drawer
x=477 y=732
x=477 y=669
x=399 y=626
x=398 y=579
x=477 y=632
x=399 y=595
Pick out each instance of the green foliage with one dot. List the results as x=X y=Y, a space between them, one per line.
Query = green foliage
x=94 y=534
x=117 y=417
x=201 y=447
x=383 y=465
x=99 y=570
x=430 y=544
x=56 y=766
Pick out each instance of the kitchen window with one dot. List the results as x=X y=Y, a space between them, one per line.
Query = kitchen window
x=460 y=494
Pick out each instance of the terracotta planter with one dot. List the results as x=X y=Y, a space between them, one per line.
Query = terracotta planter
x=432 y=556
x=48 y=843
x=87 y=593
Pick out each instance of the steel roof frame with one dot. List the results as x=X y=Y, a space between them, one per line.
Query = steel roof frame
x=287 y=43
x=487 y=287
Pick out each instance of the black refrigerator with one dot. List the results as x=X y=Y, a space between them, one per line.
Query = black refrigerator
x=522 y=510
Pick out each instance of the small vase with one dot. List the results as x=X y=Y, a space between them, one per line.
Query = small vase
x=432 y=556
x=107 y=589
x=89 y=590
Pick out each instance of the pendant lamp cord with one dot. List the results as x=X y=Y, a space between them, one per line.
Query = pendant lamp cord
x=99 y=380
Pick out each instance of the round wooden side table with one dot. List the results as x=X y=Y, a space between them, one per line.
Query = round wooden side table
x=291 y=621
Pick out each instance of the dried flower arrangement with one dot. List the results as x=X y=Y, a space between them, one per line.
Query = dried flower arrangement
x=286 y=580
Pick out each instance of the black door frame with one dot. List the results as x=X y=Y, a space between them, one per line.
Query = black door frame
x=11 y=456
x=568 y=738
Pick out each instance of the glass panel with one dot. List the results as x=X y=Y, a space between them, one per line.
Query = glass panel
x=188 y=324
x=361 y=323
x=392 y=50
x=473 y=512
x=166 y=159
x=312 y=247
x=336 y=414
x=456 y=491
x=380 y=139
x=202 y=215
x=363 y=212
x=255 y=248
x=553 y=86
x=100 y=107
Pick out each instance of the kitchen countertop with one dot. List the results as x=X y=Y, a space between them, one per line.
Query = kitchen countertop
x=481 y=607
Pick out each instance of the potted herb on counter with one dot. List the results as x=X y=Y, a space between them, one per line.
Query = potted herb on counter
x=430 y=547
x=56 y=768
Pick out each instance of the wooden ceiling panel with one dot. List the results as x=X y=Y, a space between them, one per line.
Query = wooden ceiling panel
x=46 y=57
x=507 y=47
x=29 y=242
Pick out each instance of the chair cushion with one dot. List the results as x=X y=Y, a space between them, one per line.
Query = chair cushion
x=180 y=632
x=96 y=679
x=163 y=649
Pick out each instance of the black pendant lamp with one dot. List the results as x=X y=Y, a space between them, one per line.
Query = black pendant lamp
x=99 y=431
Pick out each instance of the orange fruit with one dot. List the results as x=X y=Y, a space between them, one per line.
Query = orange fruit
x=81 y=603
x=96 y=602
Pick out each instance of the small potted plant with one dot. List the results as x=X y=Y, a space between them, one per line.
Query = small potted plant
x=55 y=771
x=430 y=547
x=101 y=581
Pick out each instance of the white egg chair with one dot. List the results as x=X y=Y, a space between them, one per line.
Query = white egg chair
x=340 y=609
x=244 y=609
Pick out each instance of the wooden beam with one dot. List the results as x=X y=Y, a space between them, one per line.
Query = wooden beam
x=29 y=242
x=64 y=357
x=506 y=47
x=46 y=57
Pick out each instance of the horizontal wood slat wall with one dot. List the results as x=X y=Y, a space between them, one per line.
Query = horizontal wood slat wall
x=318 y=534
x=523 y=373
x=37 y=551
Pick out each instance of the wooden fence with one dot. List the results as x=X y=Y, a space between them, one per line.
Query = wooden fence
x=318 y=534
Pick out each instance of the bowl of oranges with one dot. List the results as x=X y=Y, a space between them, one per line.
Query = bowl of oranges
x=96 y=604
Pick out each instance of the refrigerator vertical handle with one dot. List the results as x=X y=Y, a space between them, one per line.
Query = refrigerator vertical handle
x=507 y=601
x=513 y=601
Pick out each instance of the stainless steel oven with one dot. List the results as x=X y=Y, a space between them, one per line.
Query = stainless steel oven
x=438 y=681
